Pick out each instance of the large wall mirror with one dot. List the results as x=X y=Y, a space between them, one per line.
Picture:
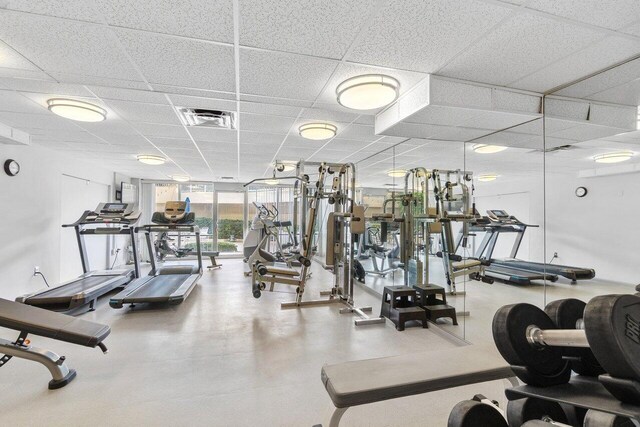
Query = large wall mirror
x=593 y=184
x=401 y=187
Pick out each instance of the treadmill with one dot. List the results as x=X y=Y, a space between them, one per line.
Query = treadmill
x=166 y=284
x=80 y=294
x=513 y=269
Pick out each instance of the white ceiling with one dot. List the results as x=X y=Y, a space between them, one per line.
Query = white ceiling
x=278 y=63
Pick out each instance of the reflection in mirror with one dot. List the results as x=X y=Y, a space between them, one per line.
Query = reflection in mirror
x=506 y=233
x=593 y=185
x=413 y=218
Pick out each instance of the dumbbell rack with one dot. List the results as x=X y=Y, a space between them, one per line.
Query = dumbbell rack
x=582 y=392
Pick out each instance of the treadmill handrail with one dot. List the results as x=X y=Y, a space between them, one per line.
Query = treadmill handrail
x=193 y=228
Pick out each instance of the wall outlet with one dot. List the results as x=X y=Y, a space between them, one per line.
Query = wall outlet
x=36 y=270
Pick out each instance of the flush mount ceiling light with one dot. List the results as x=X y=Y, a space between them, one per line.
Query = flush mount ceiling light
x=76 y=110
x=318 y=131
x=180 y=178
x=286 y=166
x=397 y=173
x=488 y=149
x=487 y=177
x=271 y=181
x=617 y=157
x=367 y=91
x=151 y=159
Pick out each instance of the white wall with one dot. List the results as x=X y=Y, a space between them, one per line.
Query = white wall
x=600 y=231
x=31 y=216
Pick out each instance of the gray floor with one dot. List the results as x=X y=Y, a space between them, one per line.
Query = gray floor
x=222 y=358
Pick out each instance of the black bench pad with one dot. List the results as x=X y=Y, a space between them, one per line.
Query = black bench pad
x=37 y=321
x=373 y=380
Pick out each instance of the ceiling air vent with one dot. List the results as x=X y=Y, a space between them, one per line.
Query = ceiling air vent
x=207 y=118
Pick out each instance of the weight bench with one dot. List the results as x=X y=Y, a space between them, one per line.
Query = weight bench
x=212 y=256
x=45 y=323
x=374 y=380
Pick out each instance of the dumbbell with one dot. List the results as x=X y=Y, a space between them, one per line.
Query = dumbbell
x=481 y=411
x=528 y=339
x=568 y=314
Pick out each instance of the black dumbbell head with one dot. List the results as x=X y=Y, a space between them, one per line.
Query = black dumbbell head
x=565 y=313
x=612 y=325
x=523 y=410
x=471 y=413
x=545 y=365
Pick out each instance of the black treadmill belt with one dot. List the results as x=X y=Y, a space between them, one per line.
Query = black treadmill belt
x=65 y=292
x=557 y=269
x=518 y=276
x=159 y=288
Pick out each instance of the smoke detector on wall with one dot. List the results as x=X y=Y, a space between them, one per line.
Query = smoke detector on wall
x=207 y=118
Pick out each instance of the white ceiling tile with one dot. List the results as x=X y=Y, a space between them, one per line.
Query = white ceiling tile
x=142 y=112
x=44 y=87
x=263 y=123
x=423 y=35
x=258 y=138
x=9 y=58
x=276 y=101
x=181 y=62
x=166 y=131
x=269 y=109
x=612 y=14
x=212 y=134
x=209 y=20
x=328 y=115
x=628 y=93
x=23 y=74
x=282 y=74
x=129 y=94
x=79 y=79
x=316 y=27
x=218 y=149
x=113 y=125
x=80 y=10
x=358 y=132
x=15 y=102
x=74 y=47
x=200 y=102
x=524 y=43
x=178 y=90
x=600 y=82
x=595 y=57
x=173 y=142
x=38 y=121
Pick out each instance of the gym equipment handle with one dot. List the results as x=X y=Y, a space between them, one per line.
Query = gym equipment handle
x=561 y=337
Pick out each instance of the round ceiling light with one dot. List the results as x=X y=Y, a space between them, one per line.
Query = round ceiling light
x=318 y=131
x=151 y=159
x=488 y=149
x=616 y=157
x=180 y=178
x=397 y=173
x=76 y=110
x=271 y=181
x=487 y=177
x=368 y=91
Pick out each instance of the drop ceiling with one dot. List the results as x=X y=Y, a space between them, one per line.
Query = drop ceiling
x=277 y=63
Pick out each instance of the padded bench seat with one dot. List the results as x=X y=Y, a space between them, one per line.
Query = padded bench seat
x=283 y=271
x=45 y=323
x=467 y=263
x=374 y=380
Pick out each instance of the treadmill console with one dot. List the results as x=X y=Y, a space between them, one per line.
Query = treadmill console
x=113 y=212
